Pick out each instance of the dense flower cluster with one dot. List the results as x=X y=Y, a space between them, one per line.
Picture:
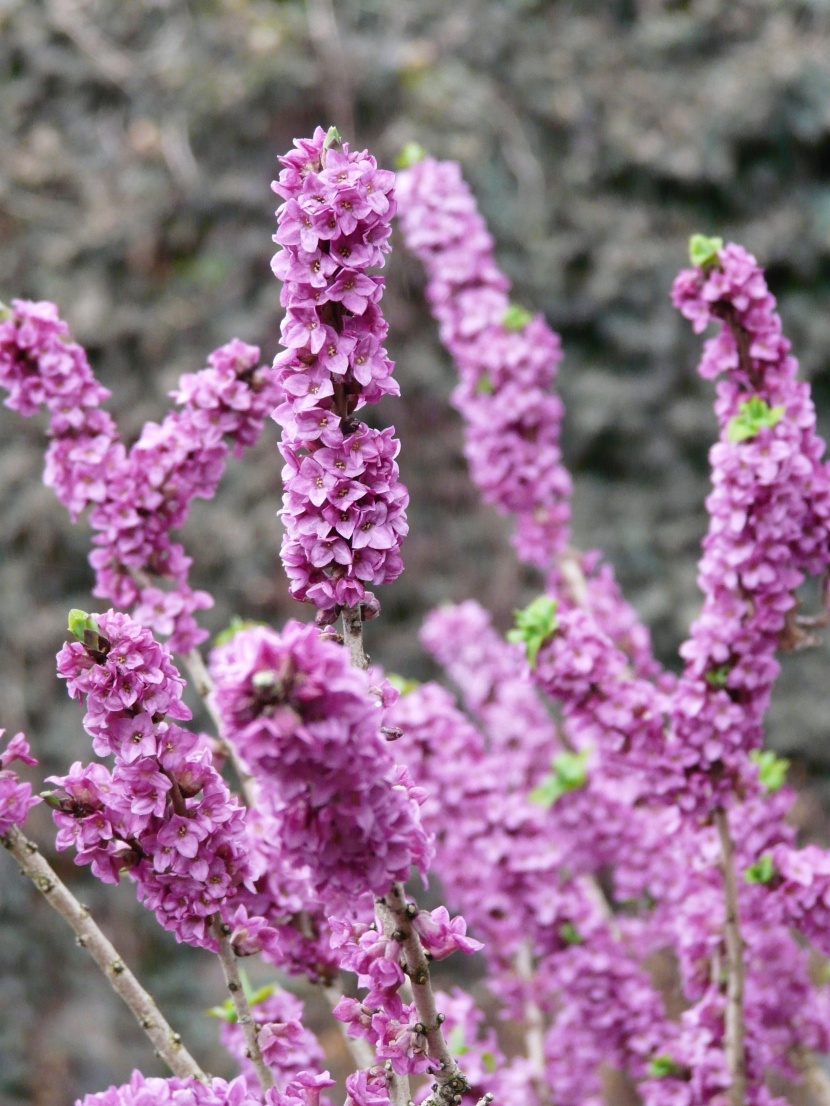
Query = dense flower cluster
x=799 y=890
x=506 y=358
x=543 y=916
x=223 y=409
x=344 y=509
x=507 y=361
x=135 y=497
x=591 y=820
x=163 y=814
x=381 y=1016
x=769 y=512
x=288 y=1048
x=174 y=1091
x=41 y=367
x=308 y=726
x=16 y=799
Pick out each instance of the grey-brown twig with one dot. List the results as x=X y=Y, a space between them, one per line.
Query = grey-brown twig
x=534 y=1022
x=450 y=1082
x=167 y=1043
x=227 y=957
x=353 y=636
x=735 y=1058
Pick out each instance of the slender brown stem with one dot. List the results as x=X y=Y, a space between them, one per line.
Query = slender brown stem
x=227 y=957
x=728 y=315
x=167 y=1043
x=735 y=1057
x=353 y=636
x=450 y=1082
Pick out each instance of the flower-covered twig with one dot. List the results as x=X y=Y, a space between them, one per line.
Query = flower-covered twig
x=135 y=497
x=344 y=509
x=163 y=815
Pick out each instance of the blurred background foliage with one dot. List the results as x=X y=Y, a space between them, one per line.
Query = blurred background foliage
x=137 y=143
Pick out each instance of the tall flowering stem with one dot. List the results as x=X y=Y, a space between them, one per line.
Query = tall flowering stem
x=344 y=509
x=769 y=523
x=135 y=497
x=165 y=1040
x=163 y=814
x=507 y=360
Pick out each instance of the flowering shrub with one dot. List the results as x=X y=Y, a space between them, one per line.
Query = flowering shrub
x=589 y=814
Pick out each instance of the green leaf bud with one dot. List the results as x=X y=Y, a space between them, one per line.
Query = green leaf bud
x=411 y=153
x=761 y=871
x=753 y=414
x=534 y=625
x=703 y=251
x=516 y=317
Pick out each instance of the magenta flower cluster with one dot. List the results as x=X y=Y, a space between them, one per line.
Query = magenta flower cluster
x=309 y=727
x=344 y=509
x=163 y=815
x=538 y=912
x=287 y=1046
x=16 y=799
x=506 y=359
x=141 y=1091
x=222 y=409
x=41 y=367
x=769 y=512
x=381 y=1017
x=135 y=497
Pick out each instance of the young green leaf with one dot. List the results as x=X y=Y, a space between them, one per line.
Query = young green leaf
x=455 y=1041
x=753 y=415
x=761 y=871
x=80 y=622
x=568 y=772
x=661 y=1066
x=516 y=317
x=570 y=934
x=332 y=137
x=703 y=251
x=411 y=154
x=402 y=684
x=225 y=1012
x=772 y=770
x=534 y=625
x=717 y=676
x=233 y=628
